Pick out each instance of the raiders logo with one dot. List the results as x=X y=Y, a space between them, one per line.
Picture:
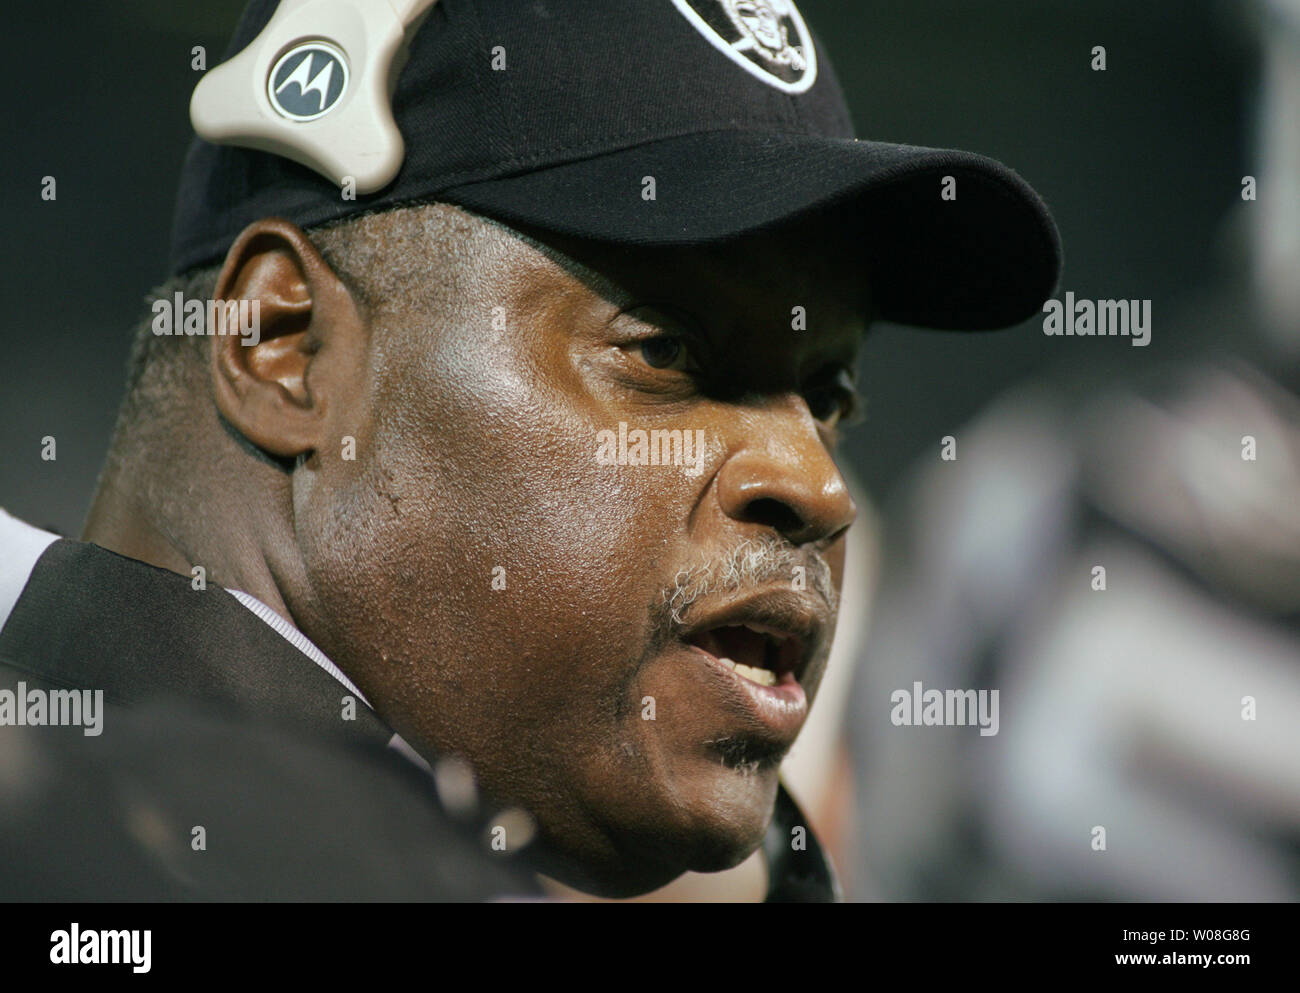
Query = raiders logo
x=766 y=38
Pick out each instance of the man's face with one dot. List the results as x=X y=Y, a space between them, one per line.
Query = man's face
x=503 y=592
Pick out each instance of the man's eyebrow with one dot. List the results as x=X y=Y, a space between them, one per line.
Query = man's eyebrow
x=844 y=350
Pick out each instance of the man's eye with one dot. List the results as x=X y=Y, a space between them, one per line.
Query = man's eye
x=836 y=402
x=664 y=351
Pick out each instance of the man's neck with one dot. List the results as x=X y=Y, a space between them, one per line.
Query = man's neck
x=124 y=524
x=117 y=523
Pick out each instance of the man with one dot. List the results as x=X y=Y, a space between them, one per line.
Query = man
x=531 y=450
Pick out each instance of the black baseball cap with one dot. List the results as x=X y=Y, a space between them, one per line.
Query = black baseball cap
x=557 y=114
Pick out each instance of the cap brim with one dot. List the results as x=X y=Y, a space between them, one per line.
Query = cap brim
x=987 y=258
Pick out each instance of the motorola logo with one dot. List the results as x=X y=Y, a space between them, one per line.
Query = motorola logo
x=308 y=81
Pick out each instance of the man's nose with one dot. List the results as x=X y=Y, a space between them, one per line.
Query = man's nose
x=790 y=484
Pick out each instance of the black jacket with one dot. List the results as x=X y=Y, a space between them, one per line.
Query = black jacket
x=215 y=722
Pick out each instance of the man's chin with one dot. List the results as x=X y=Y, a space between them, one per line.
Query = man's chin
x=637 y=877
x=709 y=832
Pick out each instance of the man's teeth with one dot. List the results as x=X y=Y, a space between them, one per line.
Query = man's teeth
x=764 y=677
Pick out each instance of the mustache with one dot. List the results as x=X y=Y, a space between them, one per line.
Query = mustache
x=753 y=562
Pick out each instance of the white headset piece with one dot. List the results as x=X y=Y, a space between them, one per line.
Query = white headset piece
x=248 y=100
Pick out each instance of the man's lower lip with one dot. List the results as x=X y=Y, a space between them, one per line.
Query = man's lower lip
x=781 y=708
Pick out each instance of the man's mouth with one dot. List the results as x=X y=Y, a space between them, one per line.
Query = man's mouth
x=760 y=654
x=759 y=649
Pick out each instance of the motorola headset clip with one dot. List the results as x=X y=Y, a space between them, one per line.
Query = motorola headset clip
x=316 y=86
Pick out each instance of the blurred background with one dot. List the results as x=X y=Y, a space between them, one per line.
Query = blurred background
x=1120 y=708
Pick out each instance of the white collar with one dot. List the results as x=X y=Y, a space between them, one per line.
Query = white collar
x=308 y=648
x=22 y=545
x=296 y=638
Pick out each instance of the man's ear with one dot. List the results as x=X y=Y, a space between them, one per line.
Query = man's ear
x=293 y=335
